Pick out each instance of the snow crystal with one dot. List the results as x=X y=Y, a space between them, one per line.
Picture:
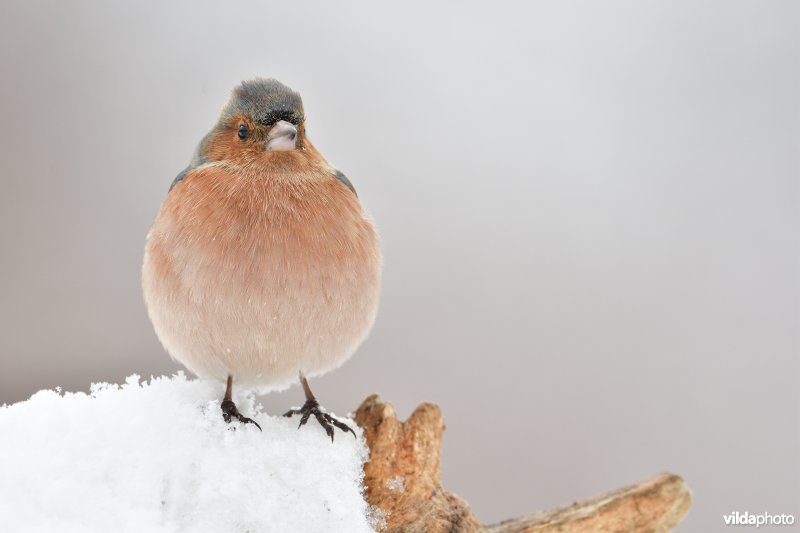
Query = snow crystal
x=377 y=517
x=158 y=457
x=397 y=484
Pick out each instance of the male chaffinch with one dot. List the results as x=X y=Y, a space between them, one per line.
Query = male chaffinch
x=261 y=264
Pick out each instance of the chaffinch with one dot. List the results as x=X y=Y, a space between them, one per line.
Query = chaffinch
x=261 y=264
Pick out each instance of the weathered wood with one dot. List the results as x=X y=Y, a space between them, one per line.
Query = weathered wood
x=402 y=479
x=653 y=506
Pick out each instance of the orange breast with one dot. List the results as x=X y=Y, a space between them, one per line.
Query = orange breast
x=260 y=276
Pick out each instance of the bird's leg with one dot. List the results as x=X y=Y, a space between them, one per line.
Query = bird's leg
x=311 y=407
x=229 y=409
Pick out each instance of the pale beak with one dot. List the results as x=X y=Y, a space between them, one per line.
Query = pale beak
x=282 y=136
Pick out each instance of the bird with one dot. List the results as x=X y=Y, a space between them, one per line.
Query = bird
x=262 y=266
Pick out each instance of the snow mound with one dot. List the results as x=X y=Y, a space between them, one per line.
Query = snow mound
x=157 y=457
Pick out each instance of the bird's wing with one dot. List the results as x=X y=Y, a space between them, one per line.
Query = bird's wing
x=193 y=167
x=179 y=177
x=341 y=177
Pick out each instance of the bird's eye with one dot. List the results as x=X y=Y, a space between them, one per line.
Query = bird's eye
x=243 y=131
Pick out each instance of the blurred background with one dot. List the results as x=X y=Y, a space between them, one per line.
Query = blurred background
x=589 y=215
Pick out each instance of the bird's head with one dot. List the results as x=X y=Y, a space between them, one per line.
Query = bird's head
x=261 y=117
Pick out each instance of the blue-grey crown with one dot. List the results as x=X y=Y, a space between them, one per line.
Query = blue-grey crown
x=266 y=101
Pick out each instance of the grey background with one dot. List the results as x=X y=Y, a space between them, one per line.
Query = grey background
x=589 y=216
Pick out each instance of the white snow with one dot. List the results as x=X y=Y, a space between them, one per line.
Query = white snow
x=157 y=457
x=397 y=484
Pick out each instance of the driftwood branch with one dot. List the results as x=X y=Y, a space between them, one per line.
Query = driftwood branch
x=402 y=479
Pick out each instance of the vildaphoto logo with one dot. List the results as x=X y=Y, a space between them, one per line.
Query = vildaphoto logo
x=764 y=519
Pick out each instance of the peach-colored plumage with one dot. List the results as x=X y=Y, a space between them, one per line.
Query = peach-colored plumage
x=260 y=265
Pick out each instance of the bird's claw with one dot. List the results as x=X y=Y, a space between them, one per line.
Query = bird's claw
x=311 y=407
x=229 y=412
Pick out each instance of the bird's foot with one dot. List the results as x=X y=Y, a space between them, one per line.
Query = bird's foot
x=311 y=407
x=229 y=412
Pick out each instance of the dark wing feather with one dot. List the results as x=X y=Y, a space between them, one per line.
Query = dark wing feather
x=341 y=177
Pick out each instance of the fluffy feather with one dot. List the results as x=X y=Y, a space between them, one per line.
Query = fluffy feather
x=260 y=265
